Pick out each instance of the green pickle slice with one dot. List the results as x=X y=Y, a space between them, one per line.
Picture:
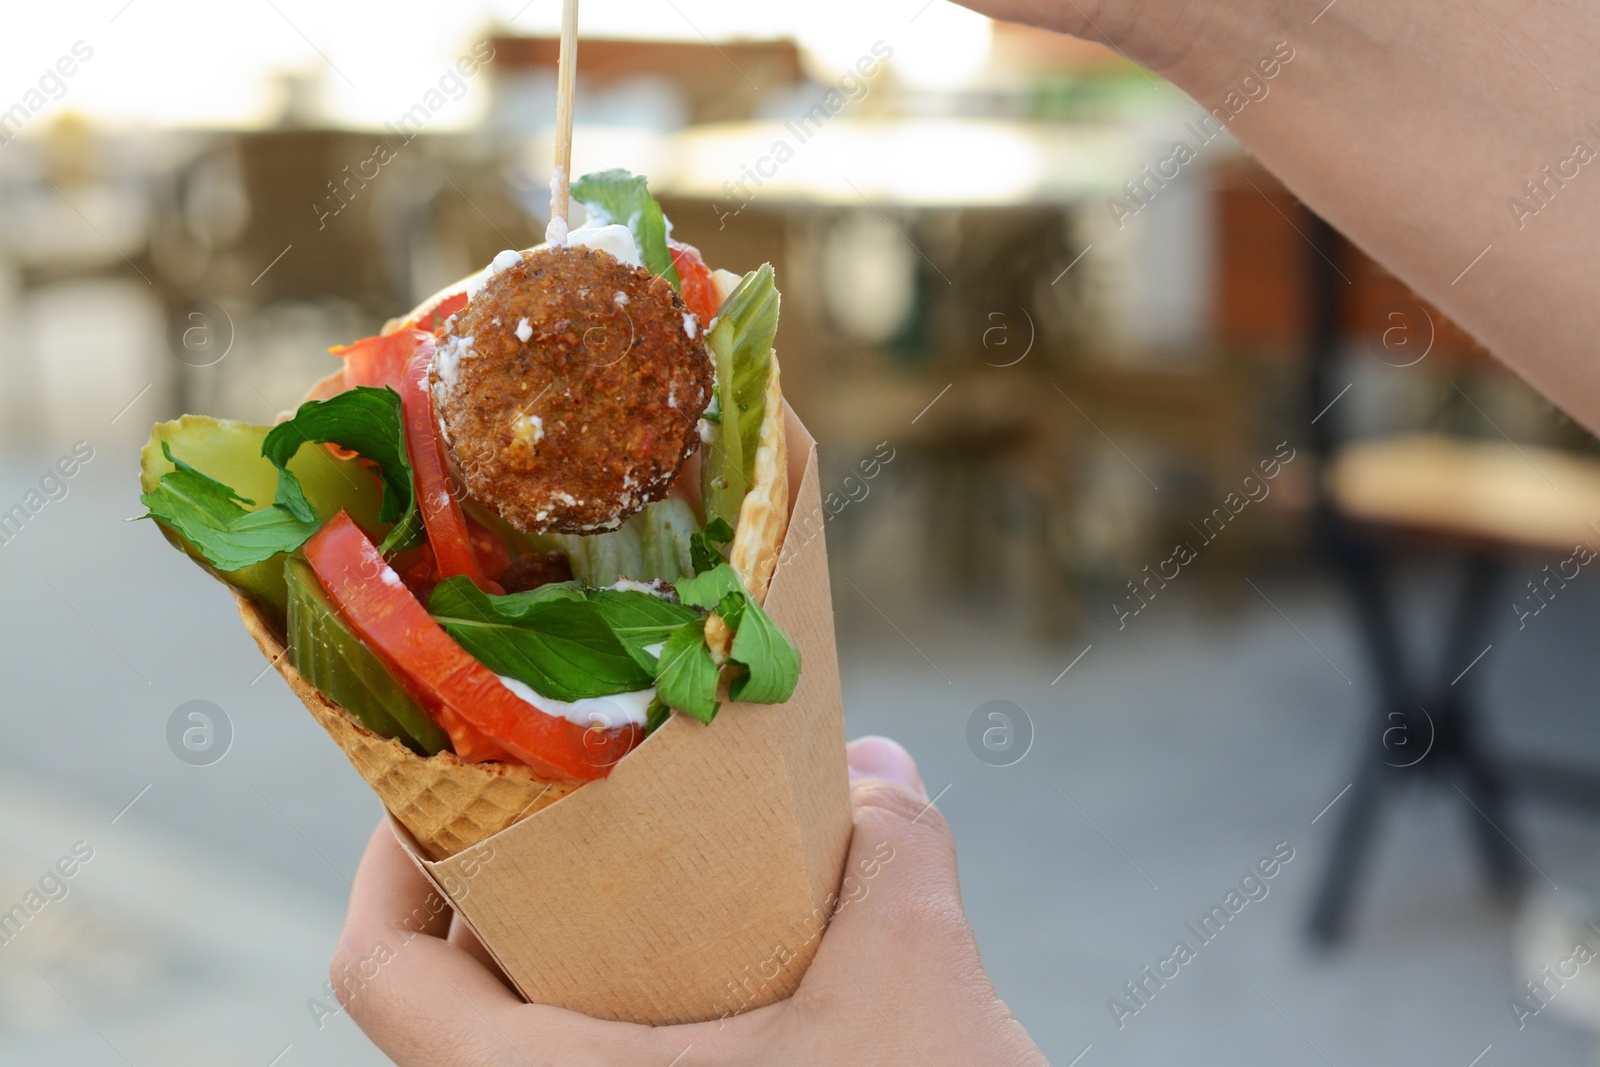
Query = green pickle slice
x=333 y=659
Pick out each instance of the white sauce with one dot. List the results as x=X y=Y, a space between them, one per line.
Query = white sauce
x=504 y=261
x=476 y=283
x=691 y=325
x=524 y=331
x=625 y=585
x=447 y=360
x=610 y=711
x=612 y=239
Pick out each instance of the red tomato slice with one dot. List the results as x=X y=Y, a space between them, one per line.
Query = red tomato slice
x=434 y=320
x=382 y=360
x=470 y=704
x=377 y=361
x=694 y=282
x=436 y=499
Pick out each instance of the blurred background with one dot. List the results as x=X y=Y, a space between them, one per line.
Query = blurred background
x=1167 y=530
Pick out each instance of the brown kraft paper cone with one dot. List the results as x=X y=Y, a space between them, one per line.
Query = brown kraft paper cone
x=695 y=881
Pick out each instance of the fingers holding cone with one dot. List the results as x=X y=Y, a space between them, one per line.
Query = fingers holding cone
x=899 y=939
x=414 y=983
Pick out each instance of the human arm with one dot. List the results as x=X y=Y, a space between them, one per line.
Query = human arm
x=1412 y=128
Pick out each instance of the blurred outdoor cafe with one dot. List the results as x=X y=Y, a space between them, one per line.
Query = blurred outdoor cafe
x=1076 y=341
x=984 y=271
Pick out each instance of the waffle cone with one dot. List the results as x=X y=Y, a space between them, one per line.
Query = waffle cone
x=448 y=805
x=763 y=515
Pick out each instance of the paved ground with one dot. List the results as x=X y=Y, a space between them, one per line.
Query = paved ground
x=1167 y=761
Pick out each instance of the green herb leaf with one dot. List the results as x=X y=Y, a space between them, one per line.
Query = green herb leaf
x=741 y=345
x=771 y=661
x=656 y=715
x=230 y=453
x=686 y=678
x=707 y=590
x=365 y=420
x=620 y=198
x=551 y=638
x=640 y=620
x=213 y=518
x=703 y=553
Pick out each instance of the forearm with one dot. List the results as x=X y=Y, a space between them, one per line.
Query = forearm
x=1413 y=128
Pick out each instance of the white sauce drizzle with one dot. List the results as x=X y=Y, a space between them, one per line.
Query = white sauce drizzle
x=612 y=711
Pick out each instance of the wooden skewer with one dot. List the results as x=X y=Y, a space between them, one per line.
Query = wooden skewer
x=560 y=176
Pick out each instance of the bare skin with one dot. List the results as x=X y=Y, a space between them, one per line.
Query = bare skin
x=1410 y=127
x=897 y=976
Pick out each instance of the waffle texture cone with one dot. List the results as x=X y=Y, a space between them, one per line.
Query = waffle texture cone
x=447 y=804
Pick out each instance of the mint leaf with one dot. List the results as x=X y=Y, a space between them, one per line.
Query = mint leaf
x=365 y=420
x=551 y=638
x=703 y=553
x=686 y=678
x=771 y=662
x=741 y=345
x=214 y=518
x=706 y=590
x=230 y=533
x=620 y=198
x=639 y=620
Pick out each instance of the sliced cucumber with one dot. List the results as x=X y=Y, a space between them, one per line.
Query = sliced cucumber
x=230 y=452
x=333 y=659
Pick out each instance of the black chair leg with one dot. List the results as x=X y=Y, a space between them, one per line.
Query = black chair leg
x=1364 y=569
x=1479 y=781
x=1352 y=844
x=1482 y=785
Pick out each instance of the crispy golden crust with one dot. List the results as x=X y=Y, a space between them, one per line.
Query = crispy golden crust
x=588 y=419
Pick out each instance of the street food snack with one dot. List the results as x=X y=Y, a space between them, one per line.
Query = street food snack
x=477 y=551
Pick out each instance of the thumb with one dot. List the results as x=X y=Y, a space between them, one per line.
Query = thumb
x=900 y=879
x=899 y=948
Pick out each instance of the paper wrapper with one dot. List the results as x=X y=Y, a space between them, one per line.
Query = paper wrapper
x=695 y=881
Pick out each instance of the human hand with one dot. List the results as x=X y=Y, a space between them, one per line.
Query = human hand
x=896 y=979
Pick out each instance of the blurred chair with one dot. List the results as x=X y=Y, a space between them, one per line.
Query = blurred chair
x=1486 y=501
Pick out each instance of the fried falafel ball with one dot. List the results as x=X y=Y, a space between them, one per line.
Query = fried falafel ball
x=569 y=390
